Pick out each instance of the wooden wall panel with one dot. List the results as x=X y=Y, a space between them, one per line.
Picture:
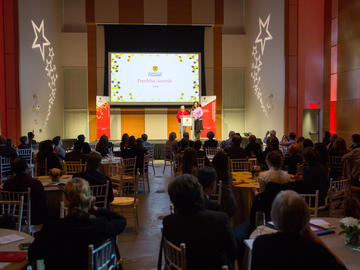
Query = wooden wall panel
x=131 y=12
x=179 y=12
x=218 y=78
x=133 y=121
x=172 y=123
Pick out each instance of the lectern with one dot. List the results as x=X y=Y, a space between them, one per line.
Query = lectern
x=187 y=121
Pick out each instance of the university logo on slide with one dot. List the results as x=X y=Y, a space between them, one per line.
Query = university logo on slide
x=155 y=71
x=155 y=68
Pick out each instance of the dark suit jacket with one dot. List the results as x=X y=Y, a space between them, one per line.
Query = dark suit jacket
x=94 y=177
x=212 y=205
x=292 y=161
x=211 y=143
x=63 y=244
x=208 y=236
x=253 y=149
x=21 y=183
x=236 y=152
x=7 y=151
x=284 y=251
x=316 y=178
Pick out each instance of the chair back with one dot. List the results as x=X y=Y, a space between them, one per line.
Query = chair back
x=211 y=152
x=73 y=167
x=102 y=257
x=5 y=168
x=151 y=151
x=100 y=192
x=216 y=196
x=338 y=192
x=26 y=154
x=337 y=168
x=129 y=166
x=16 y=196
x=239 y=165
x=175 y=257
x=312 y=201
x=13 y=209
x=147 y=159
x=168 y=155
x=40 y=167
x=201 y=162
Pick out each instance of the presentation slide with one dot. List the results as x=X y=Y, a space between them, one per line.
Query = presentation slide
x=154 y=78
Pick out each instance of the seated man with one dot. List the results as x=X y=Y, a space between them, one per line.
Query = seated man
x=295 y=246
x=93 y=176
x=227 y=143
x=186 y=137
x=211 y=142
x=63 y=244
x=24 y=143
x=352 y=164
x=6 y=150
x=76 y=154
x=85 y=147
x=207 y=178
x=207 y=234
x=253 y=149
x=235 y=151
x=146 y=144
x=20 y=182
x=293 y=158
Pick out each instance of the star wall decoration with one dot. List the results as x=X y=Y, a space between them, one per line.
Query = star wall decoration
x=39 y=32
x=48 y=68
x=264 y=31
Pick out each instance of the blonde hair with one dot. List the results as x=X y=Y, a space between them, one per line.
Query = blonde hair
x=77 y=194
x=290 y=212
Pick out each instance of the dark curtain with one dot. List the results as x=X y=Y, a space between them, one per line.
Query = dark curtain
x=143 y=38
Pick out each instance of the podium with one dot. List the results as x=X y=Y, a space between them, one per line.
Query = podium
x=187 y=121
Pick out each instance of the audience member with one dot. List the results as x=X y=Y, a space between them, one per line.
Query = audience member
x=76 y=154
x=274 y=161
x=227 y=143
x=326 y=139
x=315 y=175
x=295 y=246
x=20 y=182
x=6 y=150
x=235 y=151
x=63 y=244
x=186 y=137
x=323 y=152
x=31 y=137
x=293 y=159
x=352 y=165
x=94 y=176
x=141 y=151
x=207 y=234
x=85 y=147
x=103 y=146
x=147 y=145
x=130 y=149
x=332 y=140
x=352 y=207
x=46 y=153
x=124 y=141
x=189 y=162
x=210 y=142
x=200 y=153
x=221 y=165
x=253 y=149
x=307 y=143
x=271 y=133
x=58 y=150
x=172 y=143
x=355 y=138
x=339 y=148
x=300 y=141
x=288 y=140
x=207 y=179
x=24 y=143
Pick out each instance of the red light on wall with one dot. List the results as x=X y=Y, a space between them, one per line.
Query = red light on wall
x=314 y=105
x=332 y=117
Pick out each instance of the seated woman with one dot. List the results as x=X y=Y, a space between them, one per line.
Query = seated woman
x=46 y=152
x=172 y=143
x=59 y=151
x=253 y=149
x=189 y=162
x=295 y=246
x=24 y=143
x=20 y=182
x=103 y=145
x=293 y=158
x=211 y=142
x=228 y=202
x=339 y=148
x=130 y=149
x=124 y=141
x=274 y=161
x=63 y=244
x=315 y=175
x=141 y=151
x=200 y=152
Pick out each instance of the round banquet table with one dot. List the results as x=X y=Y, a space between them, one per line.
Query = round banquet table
x=107 y=162
x=14 y=246
x=334 y=241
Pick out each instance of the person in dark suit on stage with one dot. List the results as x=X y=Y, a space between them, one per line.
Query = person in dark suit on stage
x=208 y=235
x=63 y=244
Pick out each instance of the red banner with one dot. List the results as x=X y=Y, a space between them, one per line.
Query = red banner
x=208 y=104
x=102 y=116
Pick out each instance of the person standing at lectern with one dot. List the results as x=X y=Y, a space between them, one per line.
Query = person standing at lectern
x=197 y=113
x=179 y=115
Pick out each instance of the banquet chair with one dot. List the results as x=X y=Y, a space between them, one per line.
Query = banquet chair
x=13 y=209
x=151 y=160
x=16 y=196
x=127 y=197
x=144 y=175
x=175 y=257
x=337 y=167
x=216 y=196
x=5 y=169
x=200 y=162
x=64 y=211
x=25 y=154
x=169 y=158
x=73 y=167
x=100 y=192
x=102 y=257
x=239 y=165
x=312 y=201
x=40 y=167
x=211 y=152
x=338 y=192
